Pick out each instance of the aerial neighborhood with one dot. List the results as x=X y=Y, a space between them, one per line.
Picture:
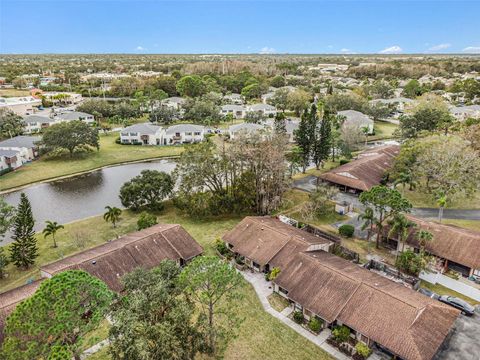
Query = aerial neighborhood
x=245 y=205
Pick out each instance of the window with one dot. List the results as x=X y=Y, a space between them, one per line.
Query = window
x=133 y=134
x=197 y=133
x=177 y=134
x=188 y=133
x=282 y=290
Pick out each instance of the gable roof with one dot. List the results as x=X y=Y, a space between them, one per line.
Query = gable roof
x=366 y=171
x=21 y=141
x=410 y=324
x=184 y=127
x=32 y=119
x=267 y=240
x=142 y=128
x=73 y=115
x=145 y=248
x=449 y=241
x=247 y=127
x=354 y=117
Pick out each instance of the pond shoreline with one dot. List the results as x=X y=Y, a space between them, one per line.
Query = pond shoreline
x=80 y=173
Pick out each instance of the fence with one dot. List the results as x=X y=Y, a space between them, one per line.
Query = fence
x=393 y=272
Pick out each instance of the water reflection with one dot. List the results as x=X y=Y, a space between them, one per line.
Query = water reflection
x=83 y=196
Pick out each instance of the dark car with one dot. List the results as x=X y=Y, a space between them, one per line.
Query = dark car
x=460 y=304
x=429 y=293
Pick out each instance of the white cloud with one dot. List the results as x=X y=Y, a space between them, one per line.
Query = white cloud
x=140 y=48
x=395 y=49
x=472 y=50
x=347 y=51
x=267 y=50
x=439 y=47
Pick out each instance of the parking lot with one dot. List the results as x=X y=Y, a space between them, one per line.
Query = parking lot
x=464 y=344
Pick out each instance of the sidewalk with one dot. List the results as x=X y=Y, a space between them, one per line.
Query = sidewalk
x=263 y=290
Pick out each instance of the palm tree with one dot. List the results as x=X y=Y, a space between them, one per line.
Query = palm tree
x=405 y=178
x=442 y=203
x=400 y=226
x=112 y=215
x=51 y=229
x=369 y=220
x=423 y=238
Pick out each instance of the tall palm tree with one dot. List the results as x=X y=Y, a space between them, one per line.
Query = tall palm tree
x=442 y=203
x=423 y=238
x=405 y=178
x=112 y=215
x=369 y=220
x=51 y=229
x=400 y=226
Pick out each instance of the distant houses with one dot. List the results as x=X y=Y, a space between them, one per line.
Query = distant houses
x=356 y=119
x=36 y=123
x=149 y=134
x=24 y=105
x=241 y=111
x=464 y=112
x=16 y=151
x=74 y=116
x=246 y=129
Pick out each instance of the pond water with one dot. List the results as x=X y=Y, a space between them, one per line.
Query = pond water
x=82 y=196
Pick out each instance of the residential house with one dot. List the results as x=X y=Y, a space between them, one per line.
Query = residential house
x=400 y=104
x=174 y=102
x=238 y=111
x=183 y=134
x=66 y=98
x=26 y=147
x=145 y=134
x=264 y=109
x=377 y=310
x=364 y=172
x=266 y=242
x=110 y=261
x=36 y=123
x=24 y=105
x=358 y=120
x=464 y=112
x=235 y=99
x=291 y=124
x=455 y=248
x=9 y=160
x=246 y=129
x=75 y=116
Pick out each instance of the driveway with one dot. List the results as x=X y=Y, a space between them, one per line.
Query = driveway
x=464 y=343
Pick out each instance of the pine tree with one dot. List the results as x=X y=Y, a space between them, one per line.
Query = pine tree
x=24 y=247
x=302 y=138
x=279 y=124
x=324 y=140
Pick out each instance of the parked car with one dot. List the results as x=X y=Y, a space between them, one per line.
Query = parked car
x=460 y=304
x=429 y=293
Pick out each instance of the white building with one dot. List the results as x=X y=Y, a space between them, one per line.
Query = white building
x=238 y=111
x=26 y=146
x=75 y=115
x=357 y=119
x=67 y=98
x=400 y=103
x=265 y=109
x=183 y=134
x=246 y=129
x=464 y=112
x=24 y=105
x=36 y=123
x=174 y=102
x=233 y=98
x=9 y=159
x=145 y=134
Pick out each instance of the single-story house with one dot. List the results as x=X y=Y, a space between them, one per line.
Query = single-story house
x=9 y=159
x=246 y=128
x=364 y=172
x=454 y=247
x=183 y=134
x=266 y=242
x=110 y=261
x=174 y=102
x=376 y=309
x=145 y=248
x=265 y=109
x=400 y=103
x=464 y=112
x=357 y=119
x=36 y=123
x=145 y=134
x=233 y=98
x=75 y=115
x=67 y=98
x=26 y=146
x=24 y=105
x=238 y=111
x=291 y=124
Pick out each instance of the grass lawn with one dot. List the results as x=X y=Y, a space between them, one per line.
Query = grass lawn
x=420 y=198
x=442 y=290
x=467 y=224
x=110 y=153
x=261 y=336
x=327 y=166
x=383 y=130
x=278 y=302
x=13 y=92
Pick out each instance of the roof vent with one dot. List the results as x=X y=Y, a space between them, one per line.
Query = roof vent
x=94 y=262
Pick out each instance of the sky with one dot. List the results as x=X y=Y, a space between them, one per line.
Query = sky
x=185 y=27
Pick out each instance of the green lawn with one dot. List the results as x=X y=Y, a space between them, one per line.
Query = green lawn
x=110 y=153
x=278 y=302
x=467 y=224
x=442 y=290
x=260 y=336
x=421 y=198
x=383 y=130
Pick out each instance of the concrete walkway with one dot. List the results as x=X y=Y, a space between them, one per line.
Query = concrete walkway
x=95 y=348
x=264 y=289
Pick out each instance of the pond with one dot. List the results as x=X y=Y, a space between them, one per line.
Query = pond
x=82 y=196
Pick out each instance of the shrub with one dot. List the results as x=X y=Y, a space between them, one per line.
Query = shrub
x=274 y=273
x=221 y=247
x=240 y=260
x=146 y=220
x=346 y=230
x=298 y=317
x=267 y=276
x=315 y=324
x=344 y=161
x=341 y=333
x=363 y=350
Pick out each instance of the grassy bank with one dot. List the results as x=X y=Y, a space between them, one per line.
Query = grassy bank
x=383 y=131
x=260 y=336
x=420 y=198
x=110 y=153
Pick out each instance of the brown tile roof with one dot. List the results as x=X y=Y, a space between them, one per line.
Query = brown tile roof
x=410 y=324
x=267 y=240
x=145 y=248
x=449 y=241
x=366 y=171
x=11 y=298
